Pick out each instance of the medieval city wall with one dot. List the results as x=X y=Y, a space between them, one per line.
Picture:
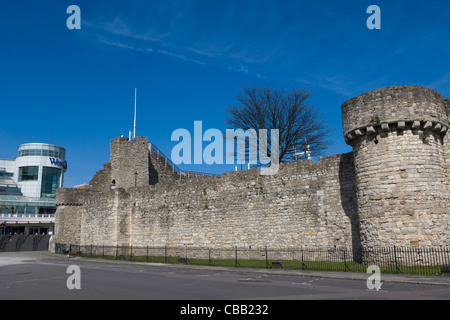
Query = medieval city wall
x=392 y=190
x=305 y=204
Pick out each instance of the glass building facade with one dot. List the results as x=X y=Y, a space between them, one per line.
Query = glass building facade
x=28 y=187
x=35 y=149
x=50 y=182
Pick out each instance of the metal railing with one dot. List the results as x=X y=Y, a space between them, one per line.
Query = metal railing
x=27 y=215
x=423 y=261
x=169 y=163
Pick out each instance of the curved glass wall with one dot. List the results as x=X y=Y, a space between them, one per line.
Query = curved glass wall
x=50 y=181
x=44 y=150
x=23 y=207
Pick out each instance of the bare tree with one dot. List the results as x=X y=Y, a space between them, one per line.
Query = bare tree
x=300 y=126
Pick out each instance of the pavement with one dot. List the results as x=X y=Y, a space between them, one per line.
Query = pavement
x=45 y=276
x=438 y=280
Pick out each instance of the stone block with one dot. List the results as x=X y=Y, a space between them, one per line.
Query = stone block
x=416 y=125
x=427 y=125
x=370 y=130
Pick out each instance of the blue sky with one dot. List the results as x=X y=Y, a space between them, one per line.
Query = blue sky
x=190 y=59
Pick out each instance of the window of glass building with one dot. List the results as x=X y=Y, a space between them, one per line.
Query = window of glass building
x=7 y=211
x=45 y=151
x=4 y=174
x=28 y=173
x=26 y=211
x=47 y=212
x=50 y=182
x=10 y=190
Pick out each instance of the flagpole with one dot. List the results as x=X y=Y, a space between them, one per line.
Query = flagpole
x=135 y=96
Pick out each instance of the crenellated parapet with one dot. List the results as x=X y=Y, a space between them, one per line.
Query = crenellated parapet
x=394 y=108
x=437 y=127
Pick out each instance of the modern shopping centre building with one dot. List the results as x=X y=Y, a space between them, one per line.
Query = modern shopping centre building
x=28 y=186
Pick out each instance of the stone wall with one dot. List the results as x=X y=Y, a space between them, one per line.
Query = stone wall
x=447 y=144
x=398 y=139
x=300 y=206
x=393 y=189
x=70 y=205
x=305 y=204
x=447 y=161
x=129 y=162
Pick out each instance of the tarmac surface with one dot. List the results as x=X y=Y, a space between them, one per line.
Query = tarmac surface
x=47 y=276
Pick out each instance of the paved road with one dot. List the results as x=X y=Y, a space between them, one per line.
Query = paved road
x=42 y=275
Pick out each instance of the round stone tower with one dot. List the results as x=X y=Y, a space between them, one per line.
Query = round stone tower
x=399 y=146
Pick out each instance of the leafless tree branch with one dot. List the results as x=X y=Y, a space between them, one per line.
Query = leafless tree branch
x=289 y=112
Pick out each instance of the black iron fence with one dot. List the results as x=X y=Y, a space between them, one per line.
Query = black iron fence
x=14 y=243
x=423 y=261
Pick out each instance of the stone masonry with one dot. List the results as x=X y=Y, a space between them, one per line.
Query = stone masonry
x=393 y=189
x=398 y=135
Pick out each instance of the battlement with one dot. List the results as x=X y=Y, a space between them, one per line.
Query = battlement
x=394 y=108
x=375 y=128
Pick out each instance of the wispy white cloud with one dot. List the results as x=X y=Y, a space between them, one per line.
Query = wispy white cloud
x=343 y=85
x=444 y=80
x=269 y=40
x=180 y=56
x=117 y=27
x=124 y=45
x=216 y=38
